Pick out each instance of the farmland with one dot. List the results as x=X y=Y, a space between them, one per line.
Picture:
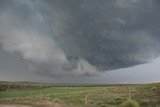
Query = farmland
x=71 y=95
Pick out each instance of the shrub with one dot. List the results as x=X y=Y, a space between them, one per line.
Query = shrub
x=130 y=103
x=144 y=103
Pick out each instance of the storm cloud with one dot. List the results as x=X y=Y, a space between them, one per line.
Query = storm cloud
x=83 y=37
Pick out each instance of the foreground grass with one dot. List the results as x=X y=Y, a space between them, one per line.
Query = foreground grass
x=130 y=103
x=106 y=96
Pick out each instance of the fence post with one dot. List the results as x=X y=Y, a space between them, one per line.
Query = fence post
x=30 y=93
x=86 y=98
x=129 y=95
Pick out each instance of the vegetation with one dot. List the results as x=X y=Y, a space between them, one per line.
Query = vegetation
x=22 y=86
x=146 y=95
x=130 y=103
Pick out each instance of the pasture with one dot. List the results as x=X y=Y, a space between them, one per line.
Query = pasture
x=62 y=95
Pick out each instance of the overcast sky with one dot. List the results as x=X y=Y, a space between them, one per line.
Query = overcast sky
x=80 y=41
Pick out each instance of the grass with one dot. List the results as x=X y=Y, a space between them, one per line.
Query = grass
x=130 y=103
x=99 y=96
x=41 y=92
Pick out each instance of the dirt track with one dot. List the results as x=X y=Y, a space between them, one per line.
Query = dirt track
x=13 y=106
x=5 y=105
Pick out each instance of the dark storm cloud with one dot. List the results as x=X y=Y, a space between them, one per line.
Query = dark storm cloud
x=82 y=37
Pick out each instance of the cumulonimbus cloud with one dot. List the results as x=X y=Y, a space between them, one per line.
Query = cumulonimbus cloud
x=80 y=37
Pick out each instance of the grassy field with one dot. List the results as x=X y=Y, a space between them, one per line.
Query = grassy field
x=46 y=95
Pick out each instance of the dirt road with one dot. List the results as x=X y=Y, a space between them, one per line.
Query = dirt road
x=1 y=105
x=5 y=105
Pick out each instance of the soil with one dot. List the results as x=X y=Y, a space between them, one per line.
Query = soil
x=13 y=106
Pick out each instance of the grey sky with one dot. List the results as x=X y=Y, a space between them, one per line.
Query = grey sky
x=82 y=41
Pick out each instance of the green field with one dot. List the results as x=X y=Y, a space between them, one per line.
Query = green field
x=43 y=95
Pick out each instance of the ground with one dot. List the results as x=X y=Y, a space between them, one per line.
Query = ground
x=147 y=95
x=13 y=106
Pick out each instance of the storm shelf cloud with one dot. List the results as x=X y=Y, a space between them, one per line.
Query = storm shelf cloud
x=65 y=38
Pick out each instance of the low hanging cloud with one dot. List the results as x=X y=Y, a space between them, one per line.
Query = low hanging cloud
x=65 y=38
